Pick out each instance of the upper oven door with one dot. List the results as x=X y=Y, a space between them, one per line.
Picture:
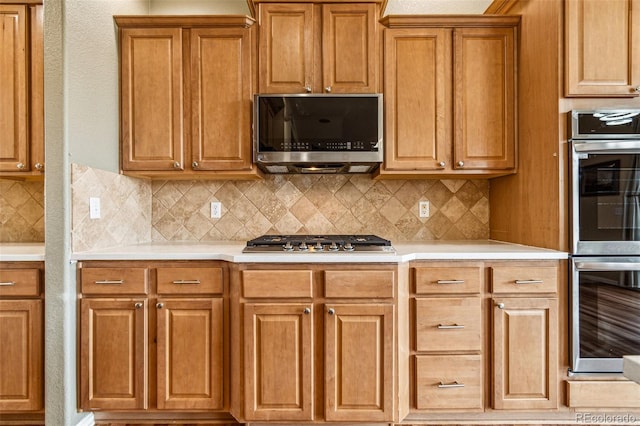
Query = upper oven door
x=605 y=201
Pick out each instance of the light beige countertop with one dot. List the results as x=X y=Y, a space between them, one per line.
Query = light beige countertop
x=232 y=252
x=21 y=252
x=631 y=367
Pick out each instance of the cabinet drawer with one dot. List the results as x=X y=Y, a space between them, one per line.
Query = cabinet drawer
x=447 y=382
x=114 y=280
x=448 y=324
x=465 y=279
x=189 y=280
x=359 y=284
x=522 y=279
x=277 y=283
x=19 y=282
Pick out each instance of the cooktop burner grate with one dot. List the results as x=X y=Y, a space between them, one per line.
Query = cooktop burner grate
x=319 y=244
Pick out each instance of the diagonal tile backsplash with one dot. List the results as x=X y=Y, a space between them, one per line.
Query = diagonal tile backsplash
x=21 y=211
x=137 y=210
x=125 y=202
x=320 y=204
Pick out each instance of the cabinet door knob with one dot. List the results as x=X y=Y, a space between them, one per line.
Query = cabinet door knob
x=331 y=311
x=176 y=165
x=637 y=89
x=500 y=305
x=159 y=305
x=307 y=311
x=442 y=164
x=138 y=305
x=460 y=163
x=39 y=166
x=20 y=166
x=307 y=88
x=327 y=89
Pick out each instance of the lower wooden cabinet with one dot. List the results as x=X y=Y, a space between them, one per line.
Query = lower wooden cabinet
x=484 y=328
x=152 y=337
x=525 y=335
x=278 y=362
x=525 y=357
x=318 y=343
x=358 y=361
x=447 y=341
x=21 y=337
x=448 y=382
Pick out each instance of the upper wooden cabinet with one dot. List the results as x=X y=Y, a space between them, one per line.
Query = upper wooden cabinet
x=186 y=88
x=21 y=97
x=602 y=57
x=306 y=47
x=450 y=96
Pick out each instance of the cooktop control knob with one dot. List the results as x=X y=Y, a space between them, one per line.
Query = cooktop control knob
x=333 y=246
x=303 y=246
x=318 y=246
x=288 y=246
x=348 y=246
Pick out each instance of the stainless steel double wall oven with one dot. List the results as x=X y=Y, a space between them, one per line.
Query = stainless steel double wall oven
x=605 y=234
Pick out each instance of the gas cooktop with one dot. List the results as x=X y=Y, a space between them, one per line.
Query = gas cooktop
x=318 y=244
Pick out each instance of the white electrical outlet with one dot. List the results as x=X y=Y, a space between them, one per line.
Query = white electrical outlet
x=94 y=208
x=216 y=209
x=423 y=208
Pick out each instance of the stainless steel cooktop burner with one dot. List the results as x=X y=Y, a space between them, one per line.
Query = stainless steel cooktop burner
x=318 y=244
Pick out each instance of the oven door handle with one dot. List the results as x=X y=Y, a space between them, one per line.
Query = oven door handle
x=607 y=266
x=621 y=146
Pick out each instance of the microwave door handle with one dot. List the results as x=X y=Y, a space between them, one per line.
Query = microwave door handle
x=607 y=266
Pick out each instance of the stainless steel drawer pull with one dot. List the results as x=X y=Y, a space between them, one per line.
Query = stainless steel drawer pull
x=186 y=282
x=529 y=281
x=450 y=327
x=110 y=282
x=451 y=385
x=450 y=282
x=7 y=283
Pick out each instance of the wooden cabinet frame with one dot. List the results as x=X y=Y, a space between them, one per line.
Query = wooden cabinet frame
x=311 y=310
x=602 y=58
x=21 y=339
x=450 y=96
x=319 y=48
x=22 y=95
x=186 y=91
x=154 y=338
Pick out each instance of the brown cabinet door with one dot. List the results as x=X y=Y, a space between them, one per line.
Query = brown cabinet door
x=525 y=351
x=602 y=57
x=190 y=354
x=278 y=365
x=221 y=94
x=286 y=48
x=151 y=99
x=21 y=355
x=359 y=363
x=484 y=92
x=36 y=138
x=14 y=148
x=349 y=48
x=417 y=90
x=113 y=354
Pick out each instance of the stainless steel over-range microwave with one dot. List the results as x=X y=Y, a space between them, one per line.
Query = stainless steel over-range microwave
x=318 y=133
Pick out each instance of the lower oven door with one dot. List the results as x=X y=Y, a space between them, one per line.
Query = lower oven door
x=605 y=312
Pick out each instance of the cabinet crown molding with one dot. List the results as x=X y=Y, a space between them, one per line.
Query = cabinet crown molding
x=458 y=21
x=141 y=21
